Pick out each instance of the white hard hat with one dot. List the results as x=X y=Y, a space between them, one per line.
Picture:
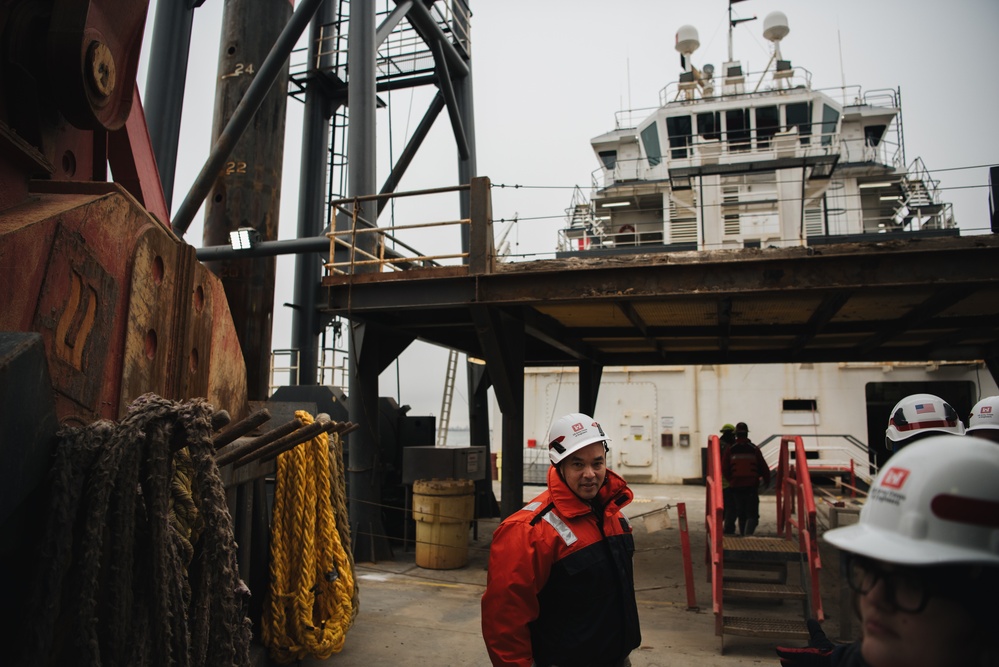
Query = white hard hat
x=919 y=414
x=985 y=415
x=935 y=502
x=572 y=432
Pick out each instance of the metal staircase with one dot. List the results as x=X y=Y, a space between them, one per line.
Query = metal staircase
x=751 y=577
x=921 y=205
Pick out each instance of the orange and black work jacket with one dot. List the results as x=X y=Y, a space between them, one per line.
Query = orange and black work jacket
x=743 y=465
x=561 y=587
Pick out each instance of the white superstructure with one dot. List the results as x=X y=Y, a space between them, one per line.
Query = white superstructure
x=732 y=160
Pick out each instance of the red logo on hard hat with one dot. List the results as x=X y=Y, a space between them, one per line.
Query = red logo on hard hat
x=986 y=410
x=576 y=428
x=894 y=478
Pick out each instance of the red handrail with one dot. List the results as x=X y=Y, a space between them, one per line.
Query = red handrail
x=794 y=489
x=715 y=527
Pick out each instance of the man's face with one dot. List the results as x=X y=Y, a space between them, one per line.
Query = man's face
x=584 y=470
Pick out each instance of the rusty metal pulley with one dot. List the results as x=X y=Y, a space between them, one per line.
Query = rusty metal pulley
x=92 y=59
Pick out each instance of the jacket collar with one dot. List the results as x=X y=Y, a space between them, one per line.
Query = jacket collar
x=613 y=495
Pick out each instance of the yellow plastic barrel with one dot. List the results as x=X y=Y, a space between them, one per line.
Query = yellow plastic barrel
x=442 y=509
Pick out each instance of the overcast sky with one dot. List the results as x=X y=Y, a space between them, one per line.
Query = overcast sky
x=550 y=74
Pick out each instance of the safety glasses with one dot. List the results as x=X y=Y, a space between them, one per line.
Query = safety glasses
x=906 y=589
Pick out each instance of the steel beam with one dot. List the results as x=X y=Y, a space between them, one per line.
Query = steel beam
x=306 y=324
x=165 y=82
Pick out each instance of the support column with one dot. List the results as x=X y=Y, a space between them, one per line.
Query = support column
x=589 y=387
x=306 y=322
x=502 y=339
x=247 y=191
x=467 y=167
x=163 y=101
x=363 y=472
x=478 y=405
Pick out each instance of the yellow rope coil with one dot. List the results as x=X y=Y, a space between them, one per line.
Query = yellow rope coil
x=310 y=604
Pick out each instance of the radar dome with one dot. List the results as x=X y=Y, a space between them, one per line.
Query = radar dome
x=775 y=26
x=686 y=39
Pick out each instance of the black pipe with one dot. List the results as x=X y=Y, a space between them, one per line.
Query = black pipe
x=312 y=209
x=167 y=77
x=315 y=244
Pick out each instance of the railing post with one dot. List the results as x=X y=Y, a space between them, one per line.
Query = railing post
x=853 y=479
x=688 y=566
x=481 y=252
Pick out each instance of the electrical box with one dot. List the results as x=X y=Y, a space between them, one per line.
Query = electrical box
x=666 y=439
x=685 y=440
x=443 y=463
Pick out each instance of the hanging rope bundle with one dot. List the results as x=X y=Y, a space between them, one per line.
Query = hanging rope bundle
x=138 y=562
x=311 y=606
x=339 y=477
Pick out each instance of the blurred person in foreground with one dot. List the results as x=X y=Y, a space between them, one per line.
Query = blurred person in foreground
x=560 y=588
x=923 y=562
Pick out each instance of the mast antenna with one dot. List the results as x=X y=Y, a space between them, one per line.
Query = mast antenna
x=732 y=23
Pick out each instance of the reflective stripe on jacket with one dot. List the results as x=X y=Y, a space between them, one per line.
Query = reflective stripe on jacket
x=560 y=586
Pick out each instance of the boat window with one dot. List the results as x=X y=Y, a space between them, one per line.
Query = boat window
x=650 y=139
x=873 y=134
x=609 y=158
x=679 y=130
x=830 y=118
x=799 y=115
x=737 y=129
x=767 y=125
x=709 y=126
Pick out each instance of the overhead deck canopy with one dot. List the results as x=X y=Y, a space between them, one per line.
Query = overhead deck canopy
x=891 y=300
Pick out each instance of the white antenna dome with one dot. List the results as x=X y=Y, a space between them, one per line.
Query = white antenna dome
x=775 y=26
x=686 y=39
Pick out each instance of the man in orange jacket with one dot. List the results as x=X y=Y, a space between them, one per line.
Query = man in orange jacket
x=560 y=589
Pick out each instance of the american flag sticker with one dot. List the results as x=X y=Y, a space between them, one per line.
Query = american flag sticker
x=923 y=408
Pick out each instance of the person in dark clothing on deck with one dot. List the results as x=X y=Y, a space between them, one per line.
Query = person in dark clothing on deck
x=726 y=440
x=743 y=468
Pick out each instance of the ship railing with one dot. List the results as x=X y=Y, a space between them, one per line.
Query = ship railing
x=796 y=511
x=886 y=152
x=753 y=84
x=357 y=245
x=576 y=239
x=696 y=150
x=627 y=119
x=830 y=455
x=714 y=506
x=854 y=95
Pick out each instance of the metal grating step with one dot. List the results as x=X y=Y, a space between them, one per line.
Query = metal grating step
x=774 y=628
x=769 y=549
x=756 y=572
x=763 y=590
